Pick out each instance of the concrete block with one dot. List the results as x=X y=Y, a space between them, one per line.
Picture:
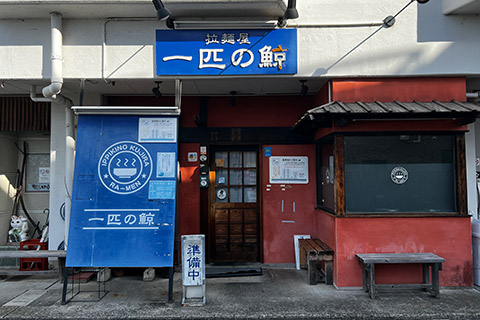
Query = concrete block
x=104 y=274
x=9 y=262
x=149 y=274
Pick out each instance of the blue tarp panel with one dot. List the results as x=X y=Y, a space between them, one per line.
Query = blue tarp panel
x=123 y=199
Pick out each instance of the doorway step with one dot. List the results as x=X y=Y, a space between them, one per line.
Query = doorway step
x=227 y=270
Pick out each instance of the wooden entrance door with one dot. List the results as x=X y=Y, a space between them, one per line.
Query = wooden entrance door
x=234 y=210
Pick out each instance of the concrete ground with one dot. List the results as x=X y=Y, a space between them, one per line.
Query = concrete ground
x=277 y=294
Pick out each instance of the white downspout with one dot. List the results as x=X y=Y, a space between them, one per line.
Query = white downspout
x=51 y=93
x=56 y=57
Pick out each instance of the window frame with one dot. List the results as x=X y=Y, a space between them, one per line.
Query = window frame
x=460 y=182
x=318 y=166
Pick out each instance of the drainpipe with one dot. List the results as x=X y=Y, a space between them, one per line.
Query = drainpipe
x=56 y=57
x=51 y=93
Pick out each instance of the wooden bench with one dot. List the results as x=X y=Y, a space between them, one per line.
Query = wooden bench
x=427 y=260
x=312 y=253
x=35 y=254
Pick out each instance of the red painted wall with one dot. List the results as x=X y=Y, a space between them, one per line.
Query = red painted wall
x=404 y=89
x=277 y=235
x=325 y=227
x=322 y=96
x=280 y=111
x=189 y=191
x=271 y=111
x=448 y=237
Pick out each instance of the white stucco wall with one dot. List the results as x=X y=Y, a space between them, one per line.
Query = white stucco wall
x=8 y=175
x=440 y=45
x=57 y=177
x=11 y=160
x=35 y=202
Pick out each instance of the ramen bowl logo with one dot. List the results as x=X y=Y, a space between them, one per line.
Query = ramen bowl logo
x=399 y=175
x=125 y=167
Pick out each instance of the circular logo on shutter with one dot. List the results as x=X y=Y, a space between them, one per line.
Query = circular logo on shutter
x=399 y=175
x=125 y=167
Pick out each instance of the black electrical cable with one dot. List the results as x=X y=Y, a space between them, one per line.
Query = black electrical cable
x=29 y=218
x=62 y=211
x=19 y=193
x=24 y=162
x=47 y=212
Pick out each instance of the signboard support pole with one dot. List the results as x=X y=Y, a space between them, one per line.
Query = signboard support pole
x=170 y=284
x=65 y=284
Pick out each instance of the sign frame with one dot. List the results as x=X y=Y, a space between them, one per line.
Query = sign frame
x=226 y=52
x=288 y=170
x=117 y=219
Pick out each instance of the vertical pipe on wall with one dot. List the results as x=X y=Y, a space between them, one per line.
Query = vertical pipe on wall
x=51 y=93
x=56 y=57
x=470 y=158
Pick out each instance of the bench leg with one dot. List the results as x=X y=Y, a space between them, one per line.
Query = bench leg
x=435 y=280
x=303 y=258
x=312 y=271
x=328 y=272
x=371 y=280
x=364 y=278
x=426 y=273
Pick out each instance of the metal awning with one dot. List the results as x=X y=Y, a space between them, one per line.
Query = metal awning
x=82 y=9
x=461 y=7
x=391 y=110
x=127 y=110
x=137 y=110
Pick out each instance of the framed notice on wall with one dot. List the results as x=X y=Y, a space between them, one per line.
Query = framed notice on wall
x=289 y=170
x=160 y=130
x=38 y=173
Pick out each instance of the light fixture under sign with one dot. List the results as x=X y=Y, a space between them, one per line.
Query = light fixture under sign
x=162 y=12
x=216 y=24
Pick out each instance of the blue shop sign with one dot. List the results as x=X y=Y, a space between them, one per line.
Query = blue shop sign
x=226 y=52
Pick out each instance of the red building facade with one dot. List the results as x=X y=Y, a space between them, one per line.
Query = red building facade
x=259 y=226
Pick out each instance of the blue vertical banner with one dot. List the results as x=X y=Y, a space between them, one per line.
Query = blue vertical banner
x=226 y=52
x=124 y=192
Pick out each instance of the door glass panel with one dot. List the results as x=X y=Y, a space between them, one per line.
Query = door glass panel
x=250 y=177
x=250 y=159
x=235 y=194
x=221 y=159
x=235 y=159
x=235 y=177
x=250 y=194
x=221 y=177
x=221 y=194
